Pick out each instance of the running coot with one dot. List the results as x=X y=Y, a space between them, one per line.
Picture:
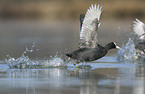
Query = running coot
x=89 y=49
x=139 y=29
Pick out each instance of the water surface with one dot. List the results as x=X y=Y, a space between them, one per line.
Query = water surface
x=101 y=78
x=105 y=76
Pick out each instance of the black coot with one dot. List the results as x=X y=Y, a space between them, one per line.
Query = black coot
x=139 y=29
x=91 y=54
x=89 y=49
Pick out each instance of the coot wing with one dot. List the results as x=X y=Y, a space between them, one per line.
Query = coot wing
x=90 y=24
x=82 y=16
x=139 y=29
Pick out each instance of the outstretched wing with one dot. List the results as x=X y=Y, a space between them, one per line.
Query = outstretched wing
x=88 y=32
x=139 y=28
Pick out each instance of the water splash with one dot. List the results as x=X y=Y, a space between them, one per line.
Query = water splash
x=127 y=53
x=55 y=62
x=23 y=61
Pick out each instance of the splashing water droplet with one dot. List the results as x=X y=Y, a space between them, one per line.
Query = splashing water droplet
x=23 y=61
x=55 y=62
x=127 y=53
x=37 y=49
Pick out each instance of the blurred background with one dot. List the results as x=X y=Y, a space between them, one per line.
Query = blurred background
x=53 y=25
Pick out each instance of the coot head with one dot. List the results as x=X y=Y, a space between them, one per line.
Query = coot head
x=111 y=45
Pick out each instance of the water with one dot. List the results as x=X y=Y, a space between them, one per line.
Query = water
x=25 y=70
x=101 y=78
x=127 y=53
x=24 y=62
x=57 y=76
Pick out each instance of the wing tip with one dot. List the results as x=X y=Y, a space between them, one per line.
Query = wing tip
x=96 y=7
x=138 y=27
x=138 y=21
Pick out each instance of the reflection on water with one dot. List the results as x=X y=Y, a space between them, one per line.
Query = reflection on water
x=111 y=79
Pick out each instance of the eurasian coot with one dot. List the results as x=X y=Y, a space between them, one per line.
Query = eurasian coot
x=89 y=49
x=139 y=29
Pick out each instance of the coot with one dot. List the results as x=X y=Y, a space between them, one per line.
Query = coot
x=139 y=29
x=89 y=49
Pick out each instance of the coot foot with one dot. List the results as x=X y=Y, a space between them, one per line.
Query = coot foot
x=75 y=65
x=68 y=59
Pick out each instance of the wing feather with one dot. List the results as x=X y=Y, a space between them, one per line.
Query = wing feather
x=90 y=26
x=138 y=27
x=82 y=16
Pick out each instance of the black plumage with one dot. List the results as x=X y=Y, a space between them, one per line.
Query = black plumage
x=140 y=46
x=91 y=54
